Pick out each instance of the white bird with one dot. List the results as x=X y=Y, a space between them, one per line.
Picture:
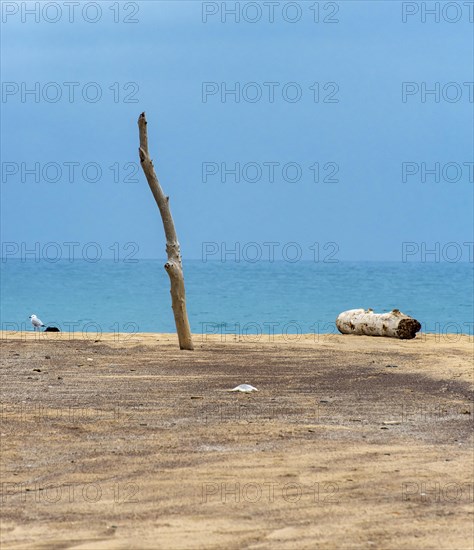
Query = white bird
x=37 y=323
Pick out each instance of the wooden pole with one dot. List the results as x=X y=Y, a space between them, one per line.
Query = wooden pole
x=173 y=266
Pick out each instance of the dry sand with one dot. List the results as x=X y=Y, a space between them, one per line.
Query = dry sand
x=126 y=442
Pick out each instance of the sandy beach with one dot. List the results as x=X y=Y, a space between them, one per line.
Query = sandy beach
x=124 y=441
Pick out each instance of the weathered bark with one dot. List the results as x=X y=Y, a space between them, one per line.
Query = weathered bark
x=364 y=321
x=173 y=266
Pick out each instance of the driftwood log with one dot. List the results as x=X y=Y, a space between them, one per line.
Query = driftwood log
x=364 y=321
x=173 y=266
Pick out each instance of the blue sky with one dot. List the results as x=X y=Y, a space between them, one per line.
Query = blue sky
x=362 y=137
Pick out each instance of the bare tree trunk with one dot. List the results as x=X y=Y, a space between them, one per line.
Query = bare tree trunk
x=364 y=321
x=174 y=265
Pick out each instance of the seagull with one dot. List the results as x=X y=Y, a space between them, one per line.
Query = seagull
x=37 y=323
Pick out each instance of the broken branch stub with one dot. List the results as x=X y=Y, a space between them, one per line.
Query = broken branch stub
x=365 y=322
x=173 y=266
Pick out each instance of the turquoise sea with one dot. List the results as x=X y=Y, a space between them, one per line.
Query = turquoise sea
x=231 y=297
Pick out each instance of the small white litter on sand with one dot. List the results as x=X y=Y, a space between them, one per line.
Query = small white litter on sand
x=246 y=388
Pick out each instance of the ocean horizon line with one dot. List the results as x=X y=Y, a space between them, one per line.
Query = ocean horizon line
x=5 y=260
